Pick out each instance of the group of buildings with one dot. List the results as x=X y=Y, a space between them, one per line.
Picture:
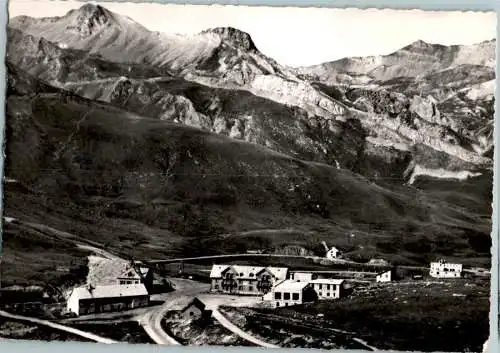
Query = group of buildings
x=281 y=287
x=114 y=285
x=277 y=285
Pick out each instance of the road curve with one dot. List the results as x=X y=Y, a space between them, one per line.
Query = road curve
x=59 y=327
x=151 y=322
x=236 y=330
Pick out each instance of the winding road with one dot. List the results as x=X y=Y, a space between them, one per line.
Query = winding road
x=87 y=335
x=151 y=322
x=151 y=319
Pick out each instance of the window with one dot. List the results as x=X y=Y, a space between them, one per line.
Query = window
x=320 y=286
x=327 y=287
x=277 y=295
x=286 y=304
x=241 y=274
x=286 y=296
x=277 y=304
x=328 y=294
x=191 y=313
x=320 y=294
x=240 y=288
x=216 y=286
x=251 y=274
x=295 y=296
x=250 y=288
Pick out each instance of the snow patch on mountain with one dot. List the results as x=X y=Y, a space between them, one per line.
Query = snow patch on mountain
x=440 y=173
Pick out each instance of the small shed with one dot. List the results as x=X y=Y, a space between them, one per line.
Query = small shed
x=333 y=253
x=385 y=276
x=195 y=309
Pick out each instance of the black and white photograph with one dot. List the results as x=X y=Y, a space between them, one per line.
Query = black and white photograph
x=226 y=175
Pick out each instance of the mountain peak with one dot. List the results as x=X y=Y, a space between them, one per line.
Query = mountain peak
x=89 y=18
x=234 y=36
x=418 y=45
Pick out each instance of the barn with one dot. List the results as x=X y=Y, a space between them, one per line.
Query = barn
x=106 y=298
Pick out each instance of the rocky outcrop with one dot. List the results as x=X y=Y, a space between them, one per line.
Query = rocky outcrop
x=234 y=37
x=90 y=19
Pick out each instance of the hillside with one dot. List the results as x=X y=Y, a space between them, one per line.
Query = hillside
x=107 y=175
x=188 y=140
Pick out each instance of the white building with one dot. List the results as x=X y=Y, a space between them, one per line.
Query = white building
x=290 y=292
x=301 y=276
x=245 y=280
x=385 y=276
x=333 y=253
x=89 y=299
x=328 y=288
x=443 y=269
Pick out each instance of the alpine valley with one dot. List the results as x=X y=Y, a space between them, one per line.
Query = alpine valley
x=153 y=145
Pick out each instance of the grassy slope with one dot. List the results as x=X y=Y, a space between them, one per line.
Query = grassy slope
x=160 y=188
x=447 y=316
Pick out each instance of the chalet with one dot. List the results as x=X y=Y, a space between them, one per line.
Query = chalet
x=195 y=309
x=385 y=276
x=245 y=280
x=106 y=298
x=443 y=269
x=289 y=292
x=331 y=253
x=328 y=288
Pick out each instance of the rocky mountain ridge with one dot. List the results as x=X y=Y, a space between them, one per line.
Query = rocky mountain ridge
x=228 y=59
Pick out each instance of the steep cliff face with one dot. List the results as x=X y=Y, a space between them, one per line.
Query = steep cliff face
x=237 y=114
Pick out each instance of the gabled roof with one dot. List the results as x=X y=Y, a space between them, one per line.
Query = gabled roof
x=110 y=291
x=195 y=302
x=327 y=281
x=385 y=271
x=217 y=270
x=278 y=272
x=246 y=271
x=103 y=271
x=290 y=285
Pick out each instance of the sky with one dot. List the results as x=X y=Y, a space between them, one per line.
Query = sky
x=298 y=36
